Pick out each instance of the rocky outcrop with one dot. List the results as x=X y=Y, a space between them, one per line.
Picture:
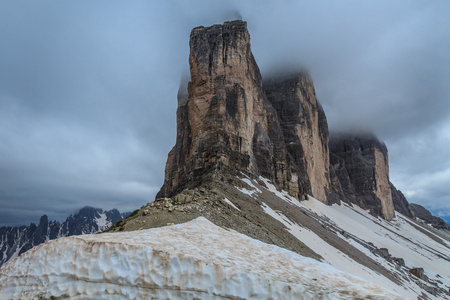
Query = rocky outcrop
x=361 y=166
x=400 y=203
x=418 y=272
x=425 y=215
x=226 y=124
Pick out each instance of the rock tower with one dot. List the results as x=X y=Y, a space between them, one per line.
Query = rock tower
x=230 y=122
x=362 y=167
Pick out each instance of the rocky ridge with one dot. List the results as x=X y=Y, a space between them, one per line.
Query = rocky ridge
x=344 y=236
x=425 y=215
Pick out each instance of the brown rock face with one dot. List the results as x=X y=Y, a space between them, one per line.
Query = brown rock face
x=362 y=168
x=305 y=131
x=227 y=124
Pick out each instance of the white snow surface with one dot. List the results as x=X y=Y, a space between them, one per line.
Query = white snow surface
x=231 y=204
x=253 y=191
x=194 y=260
x=103 y=222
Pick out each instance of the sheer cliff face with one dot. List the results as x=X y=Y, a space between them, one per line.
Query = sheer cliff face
x=362 y=168
x=305 y=130
x=227 y=124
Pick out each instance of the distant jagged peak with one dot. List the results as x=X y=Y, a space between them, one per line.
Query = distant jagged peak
x=43 y=221
x=94 y=212
x=87 y=210
x=87 y=220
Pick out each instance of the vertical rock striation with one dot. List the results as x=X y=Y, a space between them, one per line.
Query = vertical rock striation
x=226 y=123
x=305 y=130
x=361 y=165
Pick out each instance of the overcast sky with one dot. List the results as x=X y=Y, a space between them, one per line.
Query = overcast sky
x=88 y=91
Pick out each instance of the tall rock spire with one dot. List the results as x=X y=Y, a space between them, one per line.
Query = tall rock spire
x=226 y=123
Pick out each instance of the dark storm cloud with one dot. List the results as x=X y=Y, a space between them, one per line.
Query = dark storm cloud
x=86 y=107
x=88 y=90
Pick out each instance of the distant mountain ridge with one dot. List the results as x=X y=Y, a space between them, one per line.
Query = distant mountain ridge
x=16 y=240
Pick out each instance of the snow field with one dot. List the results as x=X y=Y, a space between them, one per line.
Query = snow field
x=194 y=259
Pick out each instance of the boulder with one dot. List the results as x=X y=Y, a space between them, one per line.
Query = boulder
x=418 y=272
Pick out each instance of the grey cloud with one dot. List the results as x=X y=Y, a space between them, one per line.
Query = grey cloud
x=88 y=90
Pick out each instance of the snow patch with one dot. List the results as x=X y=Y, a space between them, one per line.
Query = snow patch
x=102 y=222
x=400 y=237
x=249 y=182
